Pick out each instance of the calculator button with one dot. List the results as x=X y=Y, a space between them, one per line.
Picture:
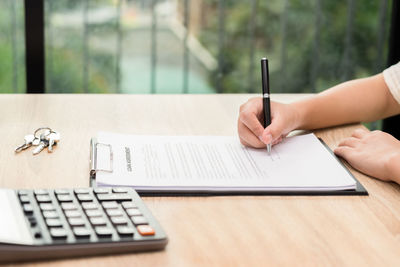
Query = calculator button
x=41 y=192
x=37 y=235
x=114 y=212
x=23 y=192
x=125 y=230
x=119 y=220
x=64 y=198
x=89 y=205
x=133 y=212
x=43 y=198
x=97 y=221
x=32 y=221
x=62 y=191
x=110 y=205
x=84 y=197
x=24 y=199
x=139 y=220
x=46 y=206
x=68 y=206
x=113 y=197
x=58 y=233
x=103 y=231
x=53 y=222
x=76 y=222
x=82 y=191
x=50 y=214
x=94 y=213
x=128 y=205
x=81 y=232
x=145 y=230
x=72 y=213
x=28 y=208
x=120 y=190
x=101 y=190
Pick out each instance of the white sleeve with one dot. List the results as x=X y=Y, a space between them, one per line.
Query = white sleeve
x=392 y=79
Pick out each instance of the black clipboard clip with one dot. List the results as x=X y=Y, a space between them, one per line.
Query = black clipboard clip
x=94 y=168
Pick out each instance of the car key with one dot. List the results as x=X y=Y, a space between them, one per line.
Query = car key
x=52 y=138
x=28 y=140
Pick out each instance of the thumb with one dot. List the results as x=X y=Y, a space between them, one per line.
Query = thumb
x=272 y=132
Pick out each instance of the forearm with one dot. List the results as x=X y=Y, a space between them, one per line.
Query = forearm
x=359 y=100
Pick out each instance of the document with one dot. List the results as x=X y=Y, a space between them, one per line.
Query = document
x=217 y=163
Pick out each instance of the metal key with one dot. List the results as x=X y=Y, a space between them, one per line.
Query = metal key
x=42 y=144
x=52 y=138
x=28 y=140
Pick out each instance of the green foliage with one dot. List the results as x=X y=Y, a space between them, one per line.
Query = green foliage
x=306 y=45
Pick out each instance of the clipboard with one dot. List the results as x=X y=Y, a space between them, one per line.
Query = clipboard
x=94 y=168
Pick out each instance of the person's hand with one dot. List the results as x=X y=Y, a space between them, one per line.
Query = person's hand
x=374 y=153
x=250 y=128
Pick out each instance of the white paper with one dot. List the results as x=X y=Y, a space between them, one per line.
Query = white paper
x=220 y=163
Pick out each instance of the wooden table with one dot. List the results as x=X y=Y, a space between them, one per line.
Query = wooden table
x=203 y=231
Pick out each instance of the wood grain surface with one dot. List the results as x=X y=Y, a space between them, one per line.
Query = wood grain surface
x=203 y=231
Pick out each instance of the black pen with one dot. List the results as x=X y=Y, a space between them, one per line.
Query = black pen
x=266 y=95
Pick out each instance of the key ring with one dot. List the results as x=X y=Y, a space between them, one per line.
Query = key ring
x=42 y=128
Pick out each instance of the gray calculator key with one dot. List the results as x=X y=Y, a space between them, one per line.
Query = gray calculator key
x=43 y=198
x=64 y=198
x=84 y=197
x=81 y=232
x=24 y=199
x=53 y=222
x=110 y=205
x=89 y=205
x=114 y=212
x=119 y=220
x=23 y=192
x=94 y=213
x=104 y=231
x=28 y=208
x=76 y=222
x=58 y=233
x=81 y=191
x=41 y=192
x=62 y=191
x=133 y=212
x=68 y=206
x=97 y=221
x=46 y=206
x=138 y=220
x=101 y=190
x=73 y=213
x=128 y=205
x=50 y=214
x=113 y=197
x=120 y=190
x=125 y=230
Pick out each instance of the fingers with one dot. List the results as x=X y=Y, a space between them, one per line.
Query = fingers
x=249 y=127
x=350 y=142
x=360 y=133
x=344 y=152
x=248 y=138
x=273 y=132
x=250 y=120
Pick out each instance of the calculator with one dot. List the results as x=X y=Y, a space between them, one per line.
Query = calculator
x=54 y=223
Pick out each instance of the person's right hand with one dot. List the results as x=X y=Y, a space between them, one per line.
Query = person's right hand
x=284 y=119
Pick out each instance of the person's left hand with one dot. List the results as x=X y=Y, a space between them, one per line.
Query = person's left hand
x=374 y=153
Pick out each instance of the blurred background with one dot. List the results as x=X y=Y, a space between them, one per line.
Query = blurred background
x=197 y=46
